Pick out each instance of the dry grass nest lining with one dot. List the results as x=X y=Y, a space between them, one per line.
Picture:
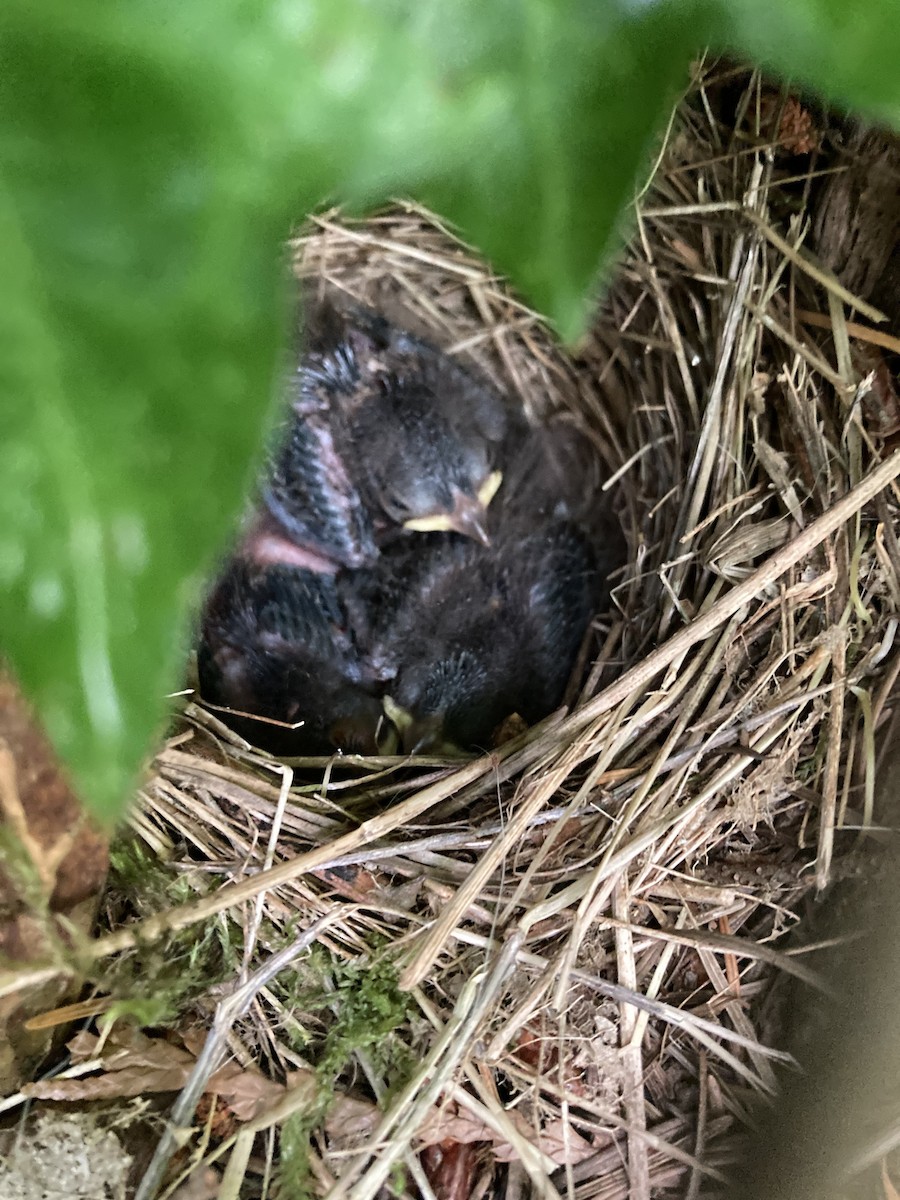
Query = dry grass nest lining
x=590 y=918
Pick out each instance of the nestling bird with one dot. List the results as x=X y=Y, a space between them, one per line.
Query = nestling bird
x=277 y=649
x=385 y=433
x=481 y=638
x=479 y=633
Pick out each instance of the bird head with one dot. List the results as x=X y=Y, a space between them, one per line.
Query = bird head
x=420 y=735
x=466 y=514
x=356 y=724
x=445 y=704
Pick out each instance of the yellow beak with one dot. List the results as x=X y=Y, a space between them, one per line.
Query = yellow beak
x=468 y=515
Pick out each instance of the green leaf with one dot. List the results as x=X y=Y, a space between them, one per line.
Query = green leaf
x=153 y=154
x=847 y=53
x=152 y=159
x=579 y=92
x=140 y=326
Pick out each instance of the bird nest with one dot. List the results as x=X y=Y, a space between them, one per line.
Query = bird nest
x=548 y=969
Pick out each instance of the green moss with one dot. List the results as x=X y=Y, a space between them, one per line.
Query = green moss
x=139 y=878
x=360 y=1006
x=340 y=1010
x=294 y=1178
x=368 y=1006
x=23 y=874
x=154 y=983
x=399 y=1178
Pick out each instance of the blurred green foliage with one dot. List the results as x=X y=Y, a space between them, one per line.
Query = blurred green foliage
x=152 y=159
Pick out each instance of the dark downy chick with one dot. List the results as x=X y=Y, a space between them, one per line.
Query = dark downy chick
x=275 y=643
x=552 y=474
x=482 y=636
x=481 y=633
x=385 y=433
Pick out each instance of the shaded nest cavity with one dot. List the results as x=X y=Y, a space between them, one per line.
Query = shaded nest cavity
x=553 y=969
